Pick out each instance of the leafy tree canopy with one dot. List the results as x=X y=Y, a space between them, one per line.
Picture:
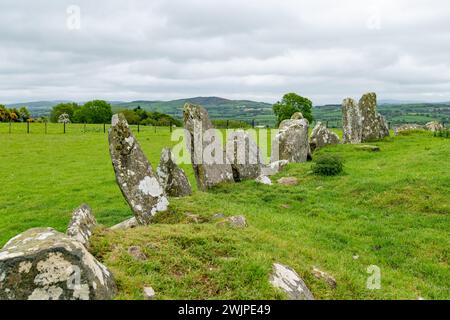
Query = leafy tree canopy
x=290 y=104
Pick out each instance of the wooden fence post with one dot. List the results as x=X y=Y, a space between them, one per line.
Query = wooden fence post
x=10 y=126
x=28 y=127
x=104 y=127
x=64 y=123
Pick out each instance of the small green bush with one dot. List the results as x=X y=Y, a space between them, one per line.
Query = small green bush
x=327 y=165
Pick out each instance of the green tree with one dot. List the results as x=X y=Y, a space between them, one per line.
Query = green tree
x=290 y=104
x=96 y=111
x=131 y=116
x=24 y=114
x=69 y=108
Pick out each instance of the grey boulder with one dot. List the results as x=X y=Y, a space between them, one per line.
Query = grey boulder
x=43 y=264
x=322 y=136
x=172 y=178
x=287 y=280
x=82 y=224
x=291 y=141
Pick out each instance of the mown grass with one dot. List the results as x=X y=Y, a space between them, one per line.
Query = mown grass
x=389 y=208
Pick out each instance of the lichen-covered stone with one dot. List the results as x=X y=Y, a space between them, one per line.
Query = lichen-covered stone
x=238 y=222
x=369 y=117
x=243 y=155
x=434 y=126
x=264 y=180
x=351 y=122
x=322 y=136
x=384 y=127
x=297 y=116
x=134 y=174
x=43 y=264
x=291 y=142
x=212 y=168
x=82 y=224
x=172 y=178
x=274 y=167
x=287 y=280
x=127 y=224
x=407 y=127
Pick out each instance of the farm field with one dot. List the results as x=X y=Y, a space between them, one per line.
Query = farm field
x=389 y=208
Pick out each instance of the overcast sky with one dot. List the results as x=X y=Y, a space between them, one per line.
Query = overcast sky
x=252 y=49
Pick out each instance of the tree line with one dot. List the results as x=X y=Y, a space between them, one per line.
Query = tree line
x=14 y=115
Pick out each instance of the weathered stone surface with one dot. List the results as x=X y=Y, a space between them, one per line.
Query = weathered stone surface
x=243 y=155
x=369 y=116
x=274 y=167
x=238 y=222
x=297 y=116
x=434 y=126
x=136 y=252
x=218 y=216
x=172 y=178
x=407 y=127
x=264 y=180
x=210 y=168
x=149 y=293
x=134 y=174
x=291 y=142
x=127 y=224
x=319 y=274
x=351 y=122
x=82 y=224
x=322 y=136
x=43 y=264
x=287 y=280
x=362 y=122
x=288 y=181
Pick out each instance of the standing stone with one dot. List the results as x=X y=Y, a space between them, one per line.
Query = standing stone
x=291 y=142
x=322 y=136
x=43 y=264
x=82 y=224
x=351 y=122
x=134 y=174
x=243 y=155
x=384 y=127
x=369 y=116
x=287 y=280
x=210 y=168
x=172 y=178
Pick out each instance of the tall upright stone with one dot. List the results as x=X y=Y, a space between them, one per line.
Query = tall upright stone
x=369 y=117
x=205 y=146
x=291 y=141
x=134 y=174
x=244 y=155
x=351 y=122
x=384 y=127
x=172 y=178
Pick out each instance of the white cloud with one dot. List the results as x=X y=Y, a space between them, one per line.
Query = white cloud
x=256 y=49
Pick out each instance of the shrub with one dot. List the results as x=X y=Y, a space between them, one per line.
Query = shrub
x=327 y=165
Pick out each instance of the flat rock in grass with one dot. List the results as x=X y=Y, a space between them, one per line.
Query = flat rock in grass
x=322 y=136
x=134 y=174
x=127 y=224
x=274 y=167
x=287 y=280
x=407 y=127
x=203 y=143
x=172 y=178
x=43 y=264
x=218 y=216
x=149 y=293
x=288 y=181
x=368 y=147
x=244 y=155
x=136 y=252
x=82 y=224
x=238 y=222
x=319 y=274
x=264 y=180
x=291 y=142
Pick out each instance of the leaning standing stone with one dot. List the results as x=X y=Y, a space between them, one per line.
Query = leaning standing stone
x=134 y=174
x=291 y=142
x=203 y=142
x=82 y=224
x=287 y=280
x=172 y=178
x=43 y=264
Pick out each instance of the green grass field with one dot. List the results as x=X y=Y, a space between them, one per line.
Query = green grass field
x=389 y=208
